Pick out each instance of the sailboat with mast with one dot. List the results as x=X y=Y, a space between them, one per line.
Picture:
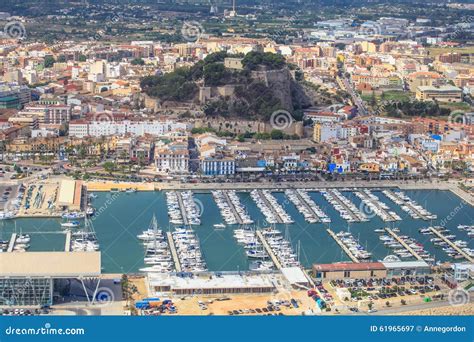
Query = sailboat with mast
x=157 y=252
x=85 y=240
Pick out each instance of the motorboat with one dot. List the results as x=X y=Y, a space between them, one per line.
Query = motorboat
x=72 y=224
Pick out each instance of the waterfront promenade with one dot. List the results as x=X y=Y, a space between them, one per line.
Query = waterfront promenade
x=316 y=185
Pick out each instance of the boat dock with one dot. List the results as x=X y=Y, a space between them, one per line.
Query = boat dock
x=343 y=246
x=174 y=253
x=232 y=207
x=12 y=243
x=404 y=244
x=269 y=250
x=310 y=208
x=384 y=214
x=409 y=205
x=270 y=206
x=349 y=210
x=452 y=245
x=67 y=245
x=182 y=208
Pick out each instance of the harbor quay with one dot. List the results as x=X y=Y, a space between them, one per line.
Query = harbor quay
x=172 y=185
x=212 y=263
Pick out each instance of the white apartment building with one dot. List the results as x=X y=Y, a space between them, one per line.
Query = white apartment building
x=171 y=161
x=213 y=166
x=82 y=128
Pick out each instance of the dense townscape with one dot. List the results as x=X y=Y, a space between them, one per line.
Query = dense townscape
x=274 y=117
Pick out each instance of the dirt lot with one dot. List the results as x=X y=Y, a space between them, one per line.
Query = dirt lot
x=190 y=305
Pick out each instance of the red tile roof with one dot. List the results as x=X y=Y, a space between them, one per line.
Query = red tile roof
x=349 y=266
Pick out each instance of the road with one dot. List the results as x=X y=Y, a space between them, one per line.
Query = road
x=355 y=97
x=409 y=308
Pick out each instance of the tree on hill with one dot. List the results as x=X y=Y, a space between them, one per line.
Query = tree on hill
x=271 y=61
x=49 y=61
x=137 y=61
x=174 y=86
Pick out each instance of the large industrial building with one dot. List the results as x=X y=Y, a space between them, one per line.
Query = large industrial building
x=29 y=279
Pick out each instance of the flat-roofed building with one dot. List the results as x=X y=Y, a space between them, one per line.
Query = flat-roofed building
x=350 y=270
x=210 y=284
x=404 y=268
x=28 y=279
x=70 y=195
x=445 y=93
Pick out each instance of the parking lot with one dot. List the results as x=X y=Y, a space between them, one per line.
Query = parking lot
x=381 y=293
x=8 y=195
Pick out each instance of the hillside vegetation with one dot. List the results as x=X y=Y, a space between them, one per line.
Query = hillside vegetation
x=256 y=94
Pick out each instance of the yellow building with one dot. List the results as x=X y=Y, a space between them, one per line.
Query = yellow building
x=369 y=167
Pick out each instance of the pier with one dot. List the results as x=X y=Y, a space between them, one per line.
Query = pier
x=404 y=244
x=409 y=205
x=452 y=245
x=12 y=243
x=232 y=207
x=354 y=216
x=310 y=208
x=270 y=206
x=343 y=246
x=67 y=245
x=269 y=250
x=182 y=208
x=384 y=213
x=174 y=253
